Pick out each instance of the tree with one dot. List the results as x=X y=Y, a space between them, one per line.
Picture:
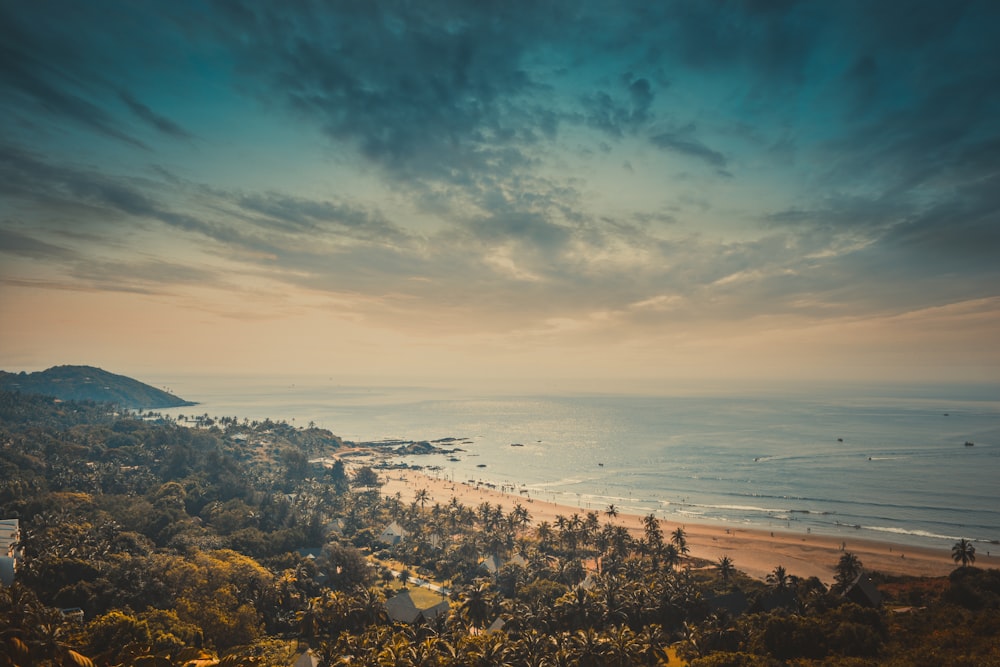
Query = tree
x=611 y=512
x=366 y=478
x=725 y=567
x=477 y=604
x=847 y=570
x=778 y=578
x=422 y=496
x=963 y=552
x=544 y=533
x=520 y=516
x=679 y=539
x=654 y=535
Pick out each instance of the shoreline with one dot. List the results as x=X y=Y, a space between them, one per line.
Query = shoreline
x=754 y=551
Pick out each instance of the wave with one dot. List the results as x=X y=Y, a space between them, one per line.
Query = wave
x=918 y=533
x=742 y=508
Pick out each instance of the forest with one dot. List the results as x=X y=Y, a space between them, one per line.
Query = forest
x=152 y=541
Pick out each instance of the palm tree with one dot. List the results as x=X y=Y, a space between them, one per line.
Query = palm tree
x=588 y=648
x=679 y=539
x=654 y=536
x=848 y=568
x=520 y=516
x=653 y=645
x=544 y=533
x=577 y=609
x=963 y=552
x=533 y=648
x=725 y=567
x=623 y=646
x=422 y=496
x=778 y=578
x=671 y=556
x=611 y=512
x=477 y=604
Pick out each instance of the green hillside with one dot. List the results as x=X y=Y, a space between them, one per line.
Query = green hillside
x=87 y=383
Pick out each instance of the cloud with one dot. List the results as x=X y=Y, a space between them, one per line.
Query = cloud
x=44 y=71
x=446 y=93
x=497 y=124
x=153 y=119
x=22 y=75
x=23 y=245
x=683 y=142
x=27 y=175
x=606 y=113
x=299 y=215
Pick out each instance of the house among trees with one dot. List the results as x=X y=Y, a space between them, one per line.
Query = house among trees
x=392 y=535
x=334 y=527
x=10 y=550
x=493 y=563
x=402 y=609
x=862 y=591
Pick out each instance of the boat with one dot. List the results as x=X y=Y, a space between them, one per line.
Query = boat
x=516 y=444
x=969 y=444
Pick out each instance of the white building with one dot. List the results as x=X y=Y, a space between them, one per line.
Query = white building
x=10 y=550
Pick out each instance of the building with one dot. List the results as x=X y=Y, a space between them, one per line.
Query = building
x=402 y=609
x=10 y=550
x=392 y=535
x=862 y=591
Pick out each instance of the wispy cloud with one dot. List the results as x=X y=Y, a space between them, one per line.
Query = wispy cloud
x=531 y=167
x=157 y=121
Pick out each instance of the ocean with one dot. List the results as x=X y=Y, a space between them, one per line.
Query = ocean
x=880 y=463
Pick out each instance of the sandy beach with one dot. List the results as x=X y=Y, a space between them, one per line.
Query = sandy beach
x=756 y=552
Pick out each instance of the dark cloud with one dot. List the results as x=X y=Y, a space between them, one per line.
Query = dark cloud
x=43 y=67
x=889 y=111
x=153 y=119
x=684 y=142
x=85 y=196
x=23 y=245
x=612 y=116
x=22 y=75
x=298 y=215
x=26 y=175
x=769 y=42
x=422 y=89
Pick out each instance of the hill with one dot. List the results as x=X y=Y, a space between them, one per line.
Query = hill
x=87 y=383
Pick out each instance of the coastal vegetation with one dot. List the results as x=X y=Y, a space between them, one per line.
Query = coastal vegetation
x=87 y=383
x=213 y=540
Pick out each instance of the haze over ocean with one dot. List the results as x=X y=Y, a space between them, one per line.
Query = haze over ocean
x=880 y=463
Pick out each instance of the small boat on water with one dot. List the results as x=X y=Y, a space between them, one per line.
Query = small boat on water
x=969 y=444
x=516 y=444
x=480 y=465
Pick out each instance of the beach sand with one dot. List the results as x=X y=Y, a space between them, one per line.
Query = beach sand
x=755 y=552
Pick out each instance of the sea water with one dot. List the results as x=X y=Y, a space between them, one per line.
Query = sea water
x=888 y=464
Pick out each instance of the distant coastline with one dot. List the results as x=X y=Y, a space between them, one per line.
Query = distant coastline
x=87 y=383
x=770 y=462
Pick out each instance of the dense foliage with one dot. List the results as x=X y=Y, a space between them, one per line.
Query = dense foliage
x=187 y=540
x=87 y=383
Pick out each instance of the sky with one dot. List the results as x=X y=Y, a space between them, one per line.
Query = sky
x=592 y=193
